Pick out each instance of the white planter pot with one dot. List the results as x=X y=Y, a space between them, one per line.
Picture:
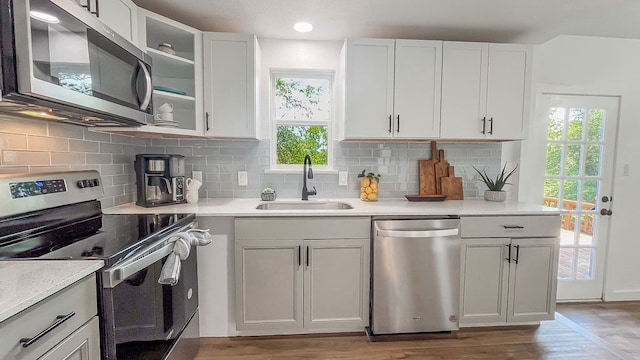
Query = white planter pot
x=495 y=195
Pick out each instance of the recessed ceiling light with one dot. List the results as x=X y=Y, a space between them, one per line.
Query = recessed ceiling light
x=303 y=27
x=42 y=16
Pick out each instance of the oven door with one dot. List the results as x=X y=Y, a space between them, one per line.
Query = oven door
x=68 y=56
x=142 y=319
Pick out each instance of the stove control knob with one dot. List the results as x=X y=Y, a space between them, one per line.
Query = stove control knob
x=81 y=184
x=96 y=182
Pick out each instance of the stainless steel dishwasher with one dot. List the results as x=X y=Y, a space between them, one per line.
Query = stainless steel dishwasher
x=416 y=275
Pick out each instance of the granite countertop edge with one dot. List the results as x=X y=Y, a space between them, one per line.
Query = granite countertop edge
x=24 y=283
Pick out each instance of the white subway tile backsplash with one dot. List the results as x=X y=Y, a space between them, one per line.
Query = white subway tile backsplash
x=84 y=146
x=68 y=158
x=47 y=143
x=13 y=141
x=24 y=157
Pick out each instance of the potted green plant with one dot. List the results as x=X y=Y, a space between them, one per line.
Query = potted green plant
x=494 y=190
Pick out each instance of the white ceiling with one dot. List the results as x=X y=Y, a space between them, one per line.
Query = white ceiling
x=510 y=21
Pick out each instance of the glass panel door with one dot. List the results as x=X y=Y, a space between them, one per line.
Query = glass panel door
x=579 y=161
x=80 y=61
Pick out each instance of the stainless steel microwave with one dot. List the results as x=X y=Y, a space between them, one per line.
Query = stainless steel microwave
x=59 y=62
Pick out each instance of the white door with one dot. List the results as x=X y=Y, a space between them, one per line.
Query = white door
x=464 y=90
x=229 y=89
x=532 y=290
x=418 y=71
x=369 y=88
x=507 y=90
x=580 y=141
x=268 y=284
x=484 y=281
x=336 y=283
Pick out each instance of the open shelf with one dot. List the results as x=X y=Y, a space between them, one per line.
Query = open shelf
x=159 y=95
x=167 y=65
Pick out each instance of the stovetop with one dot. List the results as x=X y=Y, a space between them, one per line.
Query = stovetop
x=81 y=231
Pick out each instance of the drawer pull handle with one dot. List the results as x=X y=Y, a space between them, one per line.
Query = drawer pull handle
x=60 y=319
x=513 y=227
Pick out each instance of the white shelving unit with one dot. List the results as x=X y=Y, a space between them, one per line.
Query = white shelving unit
x=177 y=78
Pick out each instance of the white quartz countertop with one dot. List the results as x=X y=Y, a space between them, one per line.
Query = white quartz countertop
x=25 y=282
x=247 y=208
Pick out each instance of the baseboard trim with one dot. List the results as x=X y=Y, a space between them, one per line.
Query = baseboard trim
x=622 y=295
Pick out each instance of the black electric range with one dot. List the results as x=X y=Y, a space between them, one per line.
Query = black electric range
x=59 y=216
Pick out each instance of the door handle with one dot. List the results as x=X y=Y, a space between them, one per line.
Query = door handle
x=606 y=212
x=299 y=255
x=418 y=233
x=390 y=124
x=491 y=126
x=149 y=86
x=508 y=258
x=207 y=119
x=484 y=124
x=398 y=127
x=307 y=256
x=517 y=254
x=60 y=319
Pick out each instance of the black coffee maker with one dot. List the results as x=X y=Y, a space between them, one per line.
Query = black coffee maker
x=159 y=179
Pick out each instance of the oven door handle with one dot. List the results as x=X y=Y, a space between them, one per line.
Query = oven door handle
x=118 y=274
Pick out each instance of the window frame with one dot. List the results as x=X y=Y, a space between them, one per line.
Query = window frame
x=274 y=122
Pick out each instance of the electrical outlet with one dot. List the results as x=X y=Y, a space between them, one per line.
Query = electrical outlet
x=343 y=178
x=196 y=175
x=243 y=178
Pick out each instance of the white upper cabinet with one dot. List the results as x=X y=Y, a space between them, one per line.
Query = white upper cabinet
x=485 y=90
x=392 y=89
x=177 y=78
x=121 y=16
x=231 y=63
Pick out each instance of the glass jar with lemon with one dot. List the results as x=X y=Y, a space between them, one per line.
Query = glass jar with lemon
x=369 y=186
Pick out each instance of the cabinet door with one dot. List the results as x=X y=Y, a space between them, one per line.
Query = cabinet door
x=83 y=344
x=484 y=281
x=369 y=88
x=121 y=16
x=336 y=283
x=230 y=85
x=507 y=93
x=268 y=284
x=418 y=79
x=464 y=90
x=532 y=279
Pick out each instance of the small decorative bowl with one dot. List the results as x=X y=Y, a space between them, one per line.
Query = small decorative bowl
x=166 y=47
x=268 y=196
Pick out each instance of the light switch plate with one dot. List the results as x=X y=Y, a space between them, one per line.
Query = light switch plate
x=196 y=175
x=243 y=178
x=343 y=178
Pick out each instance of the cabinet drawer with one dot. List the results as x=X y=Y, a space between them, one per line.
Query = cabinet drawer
x=79 y=298
x=510 y=226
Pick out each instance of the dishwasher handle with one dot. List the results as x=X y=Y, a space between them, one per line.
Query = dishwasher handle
x=418 y=233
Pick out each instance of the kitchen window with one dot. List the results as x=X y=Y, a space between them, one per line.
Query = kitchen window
x=301 y=117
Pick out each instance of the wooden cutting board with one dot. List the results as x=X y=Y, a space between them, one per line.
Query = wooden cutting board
x=452 y=186
x=426 y=172
x=442 y=170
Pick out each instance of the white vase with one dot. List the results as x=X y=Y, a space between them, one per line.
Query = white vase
x=495 y=195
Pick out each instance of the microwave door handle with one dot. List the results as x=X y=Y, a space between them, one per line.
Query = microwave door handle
x=149 y=86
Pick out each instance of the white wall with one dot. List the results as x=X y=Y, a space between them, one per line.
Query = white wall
x=596 y=66
x=292 y=54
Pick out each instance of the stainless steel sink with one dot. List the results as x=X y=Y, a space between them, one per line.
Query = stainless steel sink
x=305 y=205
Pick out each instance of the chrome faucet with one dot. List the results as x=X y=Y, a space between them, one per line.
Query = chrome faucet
x=307 y=174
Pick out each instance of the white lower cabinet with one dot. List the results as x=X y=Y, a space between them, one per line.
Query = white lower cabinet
x=62 y=326
x=84 y=344
x=300 y=275
x=508 y=280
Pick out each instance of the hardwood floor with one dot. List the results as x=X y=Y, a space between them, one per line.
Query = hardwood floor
x=581 y=331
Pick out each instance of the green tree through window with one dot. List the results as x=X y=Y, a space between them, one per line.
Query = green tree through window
x=588 y=142
x=302 y=104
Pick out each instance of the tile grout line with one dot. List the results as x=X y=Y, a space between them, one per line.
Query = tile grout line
x=593 y=337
